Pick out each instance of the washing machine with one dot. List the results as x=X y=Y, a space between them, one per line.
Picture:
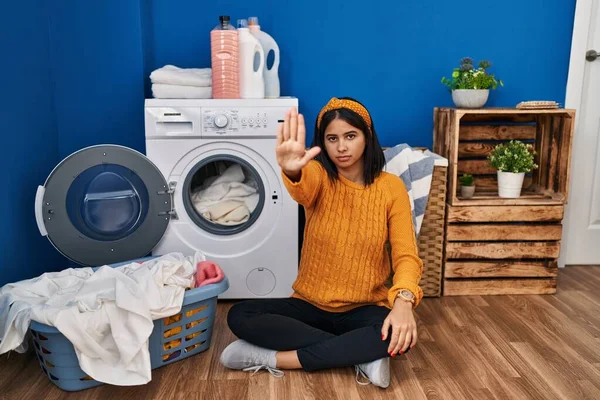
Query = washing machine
x=209 y=182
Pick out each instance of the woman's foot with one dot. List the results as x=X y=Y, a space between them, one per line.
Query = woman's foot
x=377 y=372
x=248 y=357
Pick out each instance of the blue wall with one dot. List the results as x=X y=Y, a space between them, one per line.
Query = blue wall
x=390 y=55
x=96 y=52
x=30 y=142
x=72 y=77
x=77 y=76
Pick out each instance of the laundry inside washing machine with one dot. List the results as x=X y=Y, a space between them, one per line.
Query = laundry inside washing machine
x=226 y=192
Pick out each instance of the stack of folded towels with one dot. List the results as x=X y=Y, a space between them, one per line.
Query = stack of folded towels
x=171 y=82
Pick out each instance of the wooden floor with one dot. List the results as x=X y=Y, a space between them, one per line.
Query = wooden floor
x=492 y=347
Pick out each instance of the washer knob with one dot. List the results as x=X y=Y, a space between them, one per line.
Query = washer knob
x=221 y=121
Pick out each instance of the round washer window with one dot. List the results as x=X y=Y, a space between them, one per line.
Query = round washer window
x=107 y=202
x=224 y=194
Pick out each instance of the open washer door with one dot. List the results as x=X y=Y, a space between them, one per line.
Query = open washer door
x=104 y=204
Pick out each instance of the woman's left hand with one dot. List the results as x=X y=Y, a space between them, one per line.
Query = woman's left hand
x=404 y=328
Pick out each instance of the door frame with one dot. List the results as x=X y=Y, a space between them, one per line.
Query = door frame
x=574 y=93
x=581 y=30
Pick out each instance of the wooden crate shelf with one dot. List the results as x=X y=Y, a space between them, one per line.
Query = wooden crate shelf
x=501 y=249
x=466 y=137
x=494 y=245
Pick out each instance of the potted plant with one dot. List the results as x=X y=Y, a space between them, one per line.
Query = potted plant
x=470 y=86
x=467 y=188
x=512 y=160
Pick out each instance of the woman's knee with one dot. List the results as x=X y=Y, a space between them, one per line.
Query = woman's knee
x=238 y=316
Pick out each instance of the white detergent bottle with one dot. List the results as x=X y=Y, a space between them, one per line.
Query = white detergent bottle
x=272 y=90
x=252 y=62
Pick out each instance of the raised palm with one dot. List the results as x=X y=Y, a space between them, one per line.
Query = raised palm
x=291 y=151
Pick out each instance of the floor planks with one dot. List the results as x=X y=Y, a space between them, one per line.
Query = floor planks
x=470 y=347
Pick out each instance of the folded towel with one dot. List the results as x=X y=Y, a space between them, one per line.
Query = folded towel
x=208 y=272
x=163 y=91
x=172 y=75
x=415 y=168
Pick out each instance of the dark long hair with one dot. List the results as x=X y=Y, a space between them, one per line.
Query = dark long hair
x=373 y=157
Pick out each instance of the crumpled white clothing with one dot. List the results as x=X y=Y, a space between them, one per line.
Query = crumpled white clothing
x=107 y=315
x=228 y=199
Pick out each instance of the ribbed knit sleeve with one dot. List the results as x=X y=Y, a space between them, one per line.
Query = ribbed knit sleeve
x=406 y=264
x=306 y=190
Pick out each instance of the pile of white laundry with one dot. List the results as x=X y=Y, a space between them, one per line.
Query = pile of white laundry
x=228 y=198
x=107 y=314
x=171 y=82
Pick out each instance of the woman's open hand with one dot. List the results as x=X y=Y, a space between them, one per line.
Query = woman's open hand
x=291 y=151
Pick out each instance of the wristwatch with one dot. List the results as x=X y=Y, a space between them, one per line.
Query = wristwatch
x=406 y=295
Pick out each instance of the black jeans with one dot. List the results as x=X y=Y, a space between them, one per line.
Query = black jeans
x=323 y=339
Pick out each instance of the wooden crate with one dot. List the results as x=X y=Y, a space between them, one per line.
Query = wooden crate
x=502 y=249
x=466 y=137
x=494 y=245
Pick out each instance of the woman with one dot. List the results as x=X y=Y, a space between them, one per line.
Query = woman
x=341 y=312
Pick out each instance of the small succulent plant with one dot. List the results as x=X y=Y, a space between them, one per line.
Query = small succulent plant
x=466 y=180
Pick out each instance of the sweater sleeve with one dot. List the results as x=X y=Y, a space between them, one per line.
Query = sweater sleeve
x=406 y=263
x=306 y=190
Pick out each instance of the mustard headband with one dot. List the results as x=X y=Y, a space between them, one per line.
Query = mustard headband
x=336 y=104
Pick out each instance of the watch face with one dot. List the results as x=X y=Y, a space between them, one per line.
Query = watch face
x=407 y=293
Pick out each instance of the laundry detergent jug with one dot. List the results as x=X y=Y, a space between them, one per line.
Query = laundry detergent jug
x=271 y=74
x=224 y=51
x=252 y=61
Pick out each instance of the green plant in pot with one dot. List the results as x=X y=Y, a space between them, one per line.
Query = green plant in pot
x=467 y=186
x=471 y=86
x=512 y=160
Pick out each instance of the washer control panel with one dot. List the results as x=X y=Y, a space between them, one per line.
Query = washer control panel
x=248 y=121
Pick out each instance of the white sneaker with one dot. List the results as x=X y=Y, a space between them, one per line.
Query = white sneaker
x=248 y=357
x=376 y=372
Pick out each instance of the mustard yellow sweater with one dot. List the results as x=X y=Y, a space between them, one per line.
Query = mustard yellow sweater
x=344 y=263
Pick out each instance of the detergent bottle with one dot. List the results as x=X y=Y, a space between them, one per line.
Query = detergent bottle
x=224 y=52
x=271 y=75
x=252 y=61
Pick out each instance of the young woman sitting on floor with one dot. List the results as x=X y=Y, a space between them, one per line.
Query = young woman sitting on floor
x=341 y=312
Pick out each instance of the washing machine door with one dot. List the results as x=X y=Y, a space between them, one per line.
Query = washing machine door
x=104 y=204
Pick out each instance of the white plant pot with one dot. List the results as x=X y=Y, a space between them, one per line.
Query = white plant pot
x=510 y=184
x=467 y=191
x=470 y=98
